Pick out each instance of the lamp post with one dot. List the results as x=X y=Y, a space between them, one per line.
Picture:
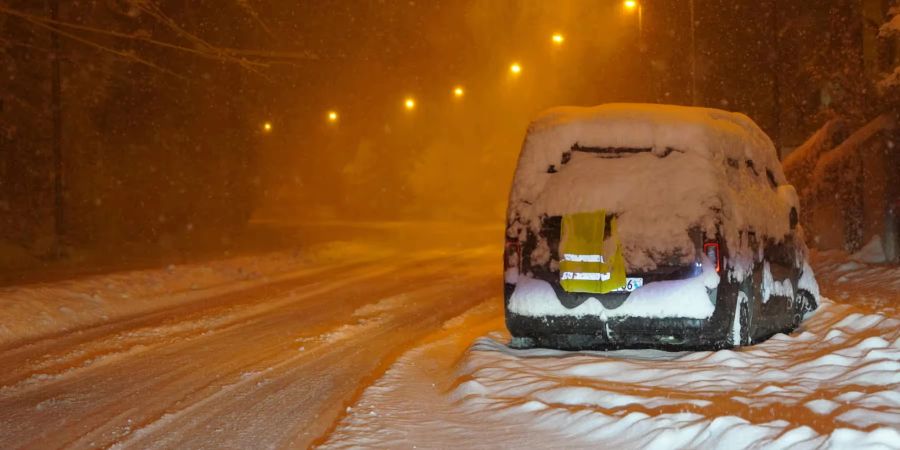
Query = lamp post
x=693 y=59
x=646 y=75
x=633 y=5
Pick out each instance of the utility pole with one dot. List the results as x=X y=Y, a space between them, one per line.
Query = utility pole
x=776 y=80
x=693 y=59
x=56 y=113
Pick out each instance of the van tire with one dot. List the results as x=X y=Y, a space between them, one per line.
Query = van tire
x=522 y=343
x=741 y=329
x=803 y=303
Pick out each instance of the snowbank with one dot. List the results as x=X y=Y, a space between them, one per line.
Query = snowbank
x=873 y=252
x=30 y=311
x=872 y=287
x=830 y=387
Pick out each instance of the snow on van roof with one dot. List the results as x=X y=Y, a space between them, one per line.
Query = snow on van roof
x=635 y=125
x=700 y=167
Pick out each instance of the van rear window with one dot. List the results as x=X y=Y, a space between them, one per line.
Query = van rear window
x=613 y=152
x=608 y=152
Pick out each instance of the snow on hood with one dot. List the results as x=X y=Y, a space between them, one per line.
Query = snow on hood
x=695 y=176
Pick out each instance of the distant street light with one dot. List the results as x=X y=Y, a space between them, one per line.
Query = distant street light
x=515 y=68
x=458 y=92
x=557 y=38
x=332 y=116
x=267 y=127
x=632 y=5
x=409 y=104
x=693 y=57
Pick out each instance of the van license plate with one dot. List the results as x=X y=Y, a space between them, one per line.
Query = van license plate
x=631 y=284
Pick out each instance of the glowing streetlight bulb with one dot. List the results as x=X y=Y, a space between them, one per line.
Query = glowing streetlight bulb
x=557 y=38
x=631 y=4
x=409 y=104
x=267 y=127
x=332 y=116
x=458 y=92
x=515 y=68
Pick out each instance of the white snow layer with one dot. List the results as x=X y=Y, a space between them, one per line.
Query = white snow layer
x=771 y=286
x=688 y=298
x=42 y=308
x=873 y=252
x=657 y=198
x=833 y=384
x=808 y=282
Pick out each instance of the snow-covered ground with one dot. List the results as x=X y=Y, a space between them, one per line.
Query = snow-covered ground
x=363 y=345
x=835 y=383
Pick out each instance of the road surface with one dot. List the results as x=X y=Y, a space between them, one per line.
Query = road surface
x=273 y=364
x=398 y=344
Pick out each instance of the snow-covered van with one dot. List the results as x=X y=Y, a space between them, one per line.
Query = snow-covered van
x=635 y=225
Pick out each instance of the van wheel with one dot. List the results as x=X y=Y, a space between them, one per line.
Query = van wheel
x=803 y=303
x=522 y=343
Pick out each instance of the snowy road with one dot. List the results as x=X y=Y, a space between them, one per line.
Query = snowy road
x=272 y=364
x=364 y=346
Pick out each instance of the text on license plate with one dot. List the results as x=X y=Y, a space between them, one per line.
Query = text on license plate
x=631 y=283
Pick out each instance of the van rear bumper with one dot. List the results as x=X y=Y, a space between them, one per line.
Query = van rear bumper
x=594 y=333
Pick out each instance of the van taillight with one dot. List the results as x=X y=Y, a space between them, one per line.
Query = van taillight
x=712 y=252
x=513 y=252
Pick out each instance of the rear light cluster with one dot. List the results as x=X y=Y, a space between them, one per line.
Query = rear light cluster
x=513 y=253
x=712 y=252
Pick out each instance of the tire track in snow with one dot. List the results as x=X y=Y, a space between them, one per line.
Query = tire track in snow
x=151 y=329
x=271 y=327
x=230 y=293
x=352 y=364
x=211 y=309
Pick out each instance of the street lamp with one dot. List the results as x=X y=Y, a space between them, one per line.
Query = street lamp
x=267 y=127
x=557 y=39
x=632 y=5
x=458 y=92
x=332 y=116
x=515 y=68
x=409 y=103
